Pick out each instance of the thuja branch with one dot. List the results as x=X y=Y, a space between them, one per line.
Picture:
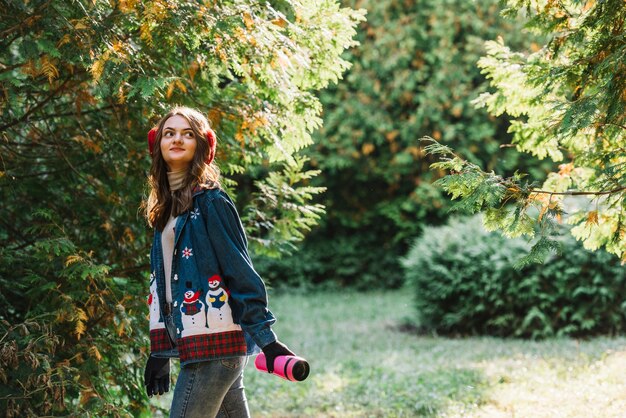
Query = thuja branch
x=580 y=193
x=448 y=157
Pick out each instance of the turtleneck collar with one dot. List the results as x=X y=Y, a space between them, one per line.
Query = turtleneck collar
x=176 y=178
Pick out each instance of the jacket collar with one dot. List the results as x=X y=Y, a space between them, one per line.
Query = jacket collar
x=199 y=189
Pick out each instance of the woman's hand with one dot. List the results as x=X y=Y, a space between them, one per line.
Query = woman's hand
x=157 y=376
x=273 y=350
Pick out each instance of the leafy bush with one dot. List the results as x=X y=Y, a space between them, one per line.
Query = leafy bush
x=465 y=283
x=338 y=261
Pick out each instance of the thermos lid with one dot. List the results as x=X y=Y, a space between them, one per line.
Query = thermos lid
x=300 y=370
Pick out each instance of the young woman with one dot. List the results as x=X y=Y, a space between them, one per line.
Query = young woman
x=208 y=306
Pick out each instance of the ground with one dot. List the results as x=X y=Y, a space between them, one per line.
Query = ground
x=366 y=363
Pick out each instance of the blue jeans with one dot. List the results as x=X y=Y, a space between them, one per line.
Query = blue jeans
x=211 y=389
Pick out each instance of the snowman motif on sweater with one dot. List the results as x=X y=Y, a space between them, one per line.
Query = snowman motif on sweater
x=153 y=303
x=219 y=314
x=193 y=314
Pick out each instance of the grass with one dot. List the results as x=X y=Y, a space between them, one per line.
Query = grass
x=364 y=365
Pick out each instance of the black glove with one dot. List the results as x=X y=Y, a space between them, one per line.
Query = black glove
x=156 y=377
x=273 y=350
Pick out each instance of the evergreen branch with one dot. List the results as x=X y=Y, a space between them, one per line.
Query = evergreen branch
x=611 y=124
x=44 y=173
x=86 y=112
x=5 y=68
x=128 y=270
x=580 y=193
x=26 y=20
x=437 y=148
x=35 y=108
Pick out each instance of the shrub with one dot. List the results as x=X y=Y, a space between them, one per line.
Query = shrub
x=338 y=261
x=465 y=283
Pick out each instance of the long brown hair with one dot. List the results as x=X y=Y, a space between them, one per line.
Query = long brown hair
x=161 y=201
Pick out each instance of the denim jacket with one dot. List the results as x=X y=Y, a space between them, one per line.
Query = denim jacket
x=219 y=302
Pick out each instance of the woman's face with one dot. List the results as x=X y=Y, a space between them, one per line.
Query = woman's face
x=178 y=143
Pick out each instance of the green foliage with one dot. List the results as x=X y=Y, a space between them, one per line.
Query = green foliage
x=338 y=261
x=71 y=337
x=567 y=102
x=81 y=83
x=466 y=281
x=282 y=207
x=414 y=73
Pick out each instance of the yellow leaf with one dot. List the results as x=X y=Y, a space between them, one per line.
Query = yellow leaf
x=48 y=69
x=414 y=151
x=193 y=69
x=86 y=395
x=592 y=218
x=145 y=32
x=248 y=20
x=391 y=135
x=240 y=138
x=566 y=169
x=79 y=24
x=97 y=68
x=170 y=89
x=120 y=329
x=80 y=329
x=181 y=85
x=121 y=95
x=119 y=48
x=589 y=5
x=280 y=22
x=129 y=234
x=29 y=68
x=215 y=116
x=71 y=259
x=367 y=149
x=127 y=6
x=95 y=353
x=88 y=143
x=81 y=315
x=66 y=39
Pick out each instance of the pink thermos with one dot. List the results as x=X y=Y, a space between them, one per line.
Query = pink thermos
x=288 y=367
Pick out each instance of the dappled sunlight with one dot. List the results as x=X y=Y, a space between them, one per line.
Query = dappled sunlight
x=330 y=383
x=532 y=385
x=363 y=363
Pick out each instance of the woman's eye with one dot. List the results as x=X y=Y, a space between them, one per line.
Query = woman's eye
x=168 y=133
x=189 y=134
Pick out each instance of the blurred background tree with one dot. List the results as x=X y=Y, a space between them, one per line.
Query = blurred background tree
x=568 y=102
x=81 y=83
x=414 y=74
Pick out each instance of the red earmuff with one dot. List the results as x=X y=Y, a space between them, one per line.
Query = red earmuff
x=151 y=139
x=210 y=136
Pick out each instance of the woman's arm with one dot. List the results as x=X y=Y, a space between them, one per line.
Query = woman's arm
x=247 y=290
